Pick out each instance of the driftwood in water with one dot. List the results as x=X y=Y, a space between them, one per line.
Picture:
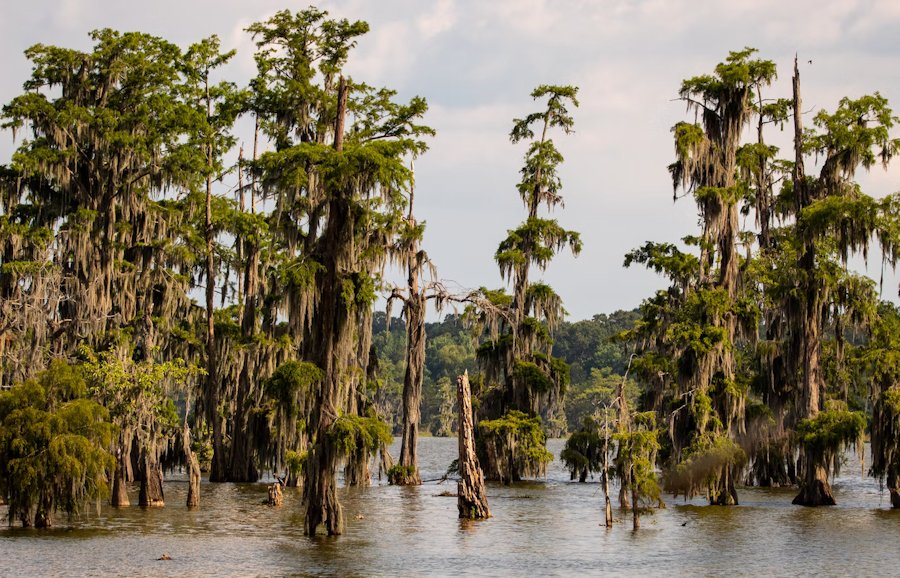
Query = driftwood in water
x=471 y=500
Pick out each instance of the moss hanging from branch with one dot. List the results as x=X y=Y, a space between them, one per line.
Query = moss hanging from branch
x=516 y=445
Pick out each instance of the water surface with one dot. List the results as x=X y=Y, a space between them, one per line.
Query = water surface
x=542 y=528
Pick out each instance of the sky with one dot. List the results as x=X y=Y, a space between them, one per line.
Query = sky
x=476 y=62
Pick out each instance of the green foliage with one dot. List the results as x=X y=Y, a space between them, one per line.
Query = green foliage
x=831 y=430
x=352 y=433
x=53 y=446
x=516 y=443
x=637 y=449
x=881 y=360
x=667 y=259
x=290 y=380
x=857 y=133
x=709 y=457
x=583 y=452
x=294 y=461
x=400 y=472
x=532 y=376
x=135 y=392
x=534 y=242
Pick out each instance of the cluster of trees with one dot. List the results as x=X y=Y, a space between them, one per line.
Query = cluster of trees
x=113 y=217
x=766 y=355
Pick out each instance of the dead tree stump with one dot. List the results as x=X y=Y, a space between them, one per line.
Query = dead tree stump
x=471 y=498
x=276 y=497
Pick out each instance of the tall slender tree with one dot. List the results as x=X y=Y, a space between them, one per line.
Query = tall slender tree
x=415 y=298
x=881 y=362
x=525 y=381
x=217 y=107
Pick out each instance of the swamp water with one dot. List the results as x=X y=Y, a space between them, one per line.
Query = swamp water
x=549 y=527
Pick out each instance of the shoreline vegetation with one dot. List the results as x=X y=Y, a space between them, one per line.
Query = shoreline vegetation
x=763 y=359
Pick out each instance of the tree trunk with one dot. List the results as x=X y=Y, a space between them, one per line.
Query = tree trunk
x=471 y=497
x=356 y=469
x=43 y=517
x=635 y=510
x=322 y=506
x=276 y=496
x=623 y=492
x=412 y=383
x=119 y=498
x=151 y=495
x=814 y=489
x=386 y=461
x=213 y=395
x=26 y=519
x=623 y=422
x=243 y=468
x=724 y=492
x=193 y=496
x=608 y=502
x=320 y=493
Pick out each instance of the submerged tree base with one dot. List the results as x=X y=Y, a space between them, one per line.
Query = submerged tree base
x=514 y=447
x=401 y=475
x=817 y=493
x=471 y=497
x=895 y=498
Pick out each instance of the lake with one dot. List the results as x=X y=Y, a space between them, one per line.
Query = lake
x=541 y=528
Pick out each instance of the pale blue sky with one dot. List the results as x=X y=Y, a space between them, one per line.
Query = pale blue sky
x=476 y=62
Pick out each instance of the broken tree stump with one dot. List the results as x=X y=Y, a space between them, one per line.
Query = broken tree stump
x=471 y=500
x=276 y=497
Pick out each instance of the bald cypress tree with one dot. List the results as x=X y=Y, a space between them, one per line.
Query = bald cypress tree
x=107 y=135
x=415 y=298
x=833 y=220
x=692 y=330
x=525 y=382
x=216 y=106
x=880 y=360
x=337 y=177
x=108 y=142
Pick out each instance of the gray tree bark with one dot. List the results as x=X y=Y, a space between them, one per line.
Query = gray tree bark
x=471 y=500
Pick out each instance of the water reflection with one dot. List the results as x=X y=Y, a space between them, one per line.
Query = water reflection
x=548 y=527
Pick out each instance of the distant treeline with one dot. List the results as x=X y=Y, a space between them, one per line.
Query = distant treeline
x=597 y=362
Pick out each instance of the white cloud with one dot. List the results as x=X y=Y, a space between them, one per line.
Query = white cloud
x=475 y=62
x=441 y=19
x=534 y=17
x=384 y=54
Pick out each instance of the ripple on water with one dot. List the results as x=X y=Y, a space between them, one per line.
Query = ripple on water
x=546 y=527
